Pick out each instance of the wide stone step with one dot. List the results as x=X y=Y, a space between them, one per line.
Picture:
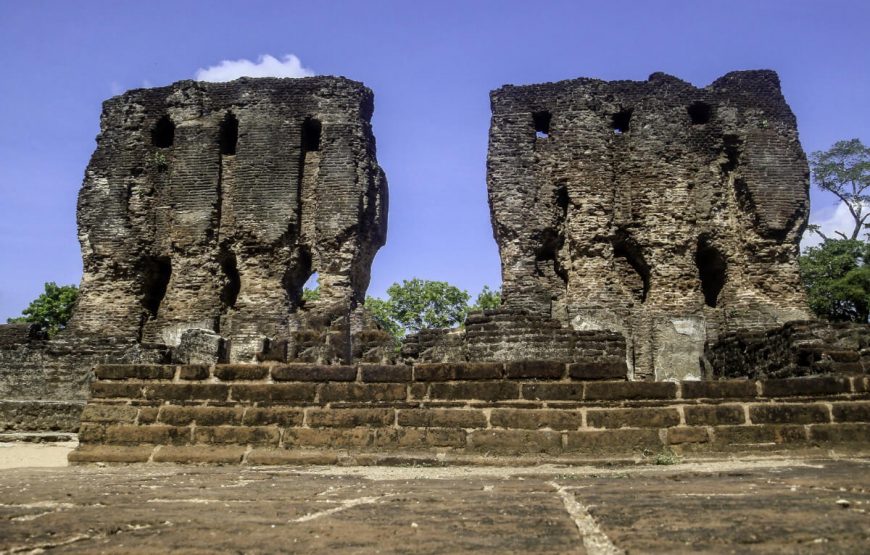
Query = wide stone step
x=258 y=414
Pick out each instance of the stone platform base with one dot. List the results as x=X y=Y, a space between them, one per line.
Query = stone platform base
x=452 y=413
x=36 y=416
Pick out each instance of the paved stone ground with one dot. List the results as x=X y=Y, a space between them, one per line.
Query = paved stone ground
x=755 y=506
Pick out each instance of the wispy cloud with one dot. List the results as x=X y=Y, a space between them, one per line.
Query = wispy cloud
x=265 y=66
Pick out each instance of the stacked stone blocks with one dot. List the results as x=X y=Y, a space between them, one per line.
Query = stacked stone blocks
x=262 y=414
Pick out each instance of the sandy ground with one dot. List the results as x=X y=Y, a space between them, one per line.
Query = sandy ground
x=34 y=455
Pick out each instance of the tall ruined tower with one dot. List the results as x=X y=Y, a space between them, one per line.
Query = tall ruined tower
x=209 y=205
x=663 y=211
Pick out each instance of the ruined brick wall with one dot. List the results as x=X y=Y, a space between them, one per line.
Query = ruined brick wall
x=794 y=349
x=209 y=205
x=514 y=336
x=44 y=383
x=666 y=212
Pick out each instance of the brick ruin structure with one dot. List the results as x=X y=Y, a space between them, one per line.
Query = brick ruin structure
x=648 y=234
x=207 y=207
x=668 y=213
x=204 y=210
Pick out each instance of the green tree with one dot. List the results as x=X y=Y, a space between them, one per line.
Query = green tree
x=382 y=312
x=488 y=299
x=310 y=295
x=836 y=275
x=844 y=170
x=52 y=309
x=420 y=304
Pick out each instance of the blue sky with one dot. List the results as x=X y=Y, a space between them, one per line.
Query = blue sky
x=431 y=66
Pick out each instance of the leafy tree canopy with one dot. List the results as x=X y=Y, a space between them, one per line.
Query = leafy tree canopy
x=836 y=275
x=52 y=309
x=844 y=170
x=423 y=304
x=488 y=299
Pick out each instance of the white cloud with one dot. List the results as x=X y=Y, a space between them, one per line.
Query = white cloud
x=265 y=66
x=830 y=219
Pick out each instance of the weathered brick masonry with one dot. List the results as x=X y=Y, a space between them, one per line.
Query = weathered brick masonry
x=451 y=412
x=668 y=213
x=207 y=206
x=204 y=210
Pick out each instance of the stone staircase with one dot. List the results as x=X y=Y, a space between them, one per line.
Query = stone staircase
x=454 y=413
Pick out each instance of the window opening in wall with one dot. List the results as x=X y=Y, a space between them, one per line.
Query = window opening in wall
x=311 y=289
x=156 y=274
x=628 y=255
x=163 y=134
x=311 y=129
x=232 y=280
x=542 y=124
x=621 y=121
x=229 y=134
x=700 y=112
x=712 y=268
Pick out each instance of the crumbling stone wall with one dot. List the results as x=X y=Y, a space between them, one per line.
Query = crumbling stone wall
x=669 y=213
x=800 y=348
x=207 y=206
x=514 y=335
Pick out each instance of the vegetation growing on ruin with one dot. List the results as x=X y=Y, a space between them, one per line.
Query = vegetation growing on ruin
x=52 y=309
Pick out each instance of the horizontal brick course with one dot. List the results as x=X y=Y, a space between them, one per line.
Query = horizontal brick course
x=535 y=369
x=442 y=418
x=334 y=438
x=186 y=391
x=714 y=415
x=239 y=435
x=381 y=373
x=817 y=385
x=788 y=414
x=515 y=442
x=281 y=416
x=372 y=392
x=481 y=391
x=110 y=390
x=633 y=418
x=735 y=437
x=155 y=434
x=533 y=419
x=442 y=372
x=277 y=392
x=199 y=454
x=725 y=389
x=134 y=371
x=300 y=372
x=109 y=413
x=598 y=442
x=349 y=418
x=233 y=372
x=203 y=416
x=855 y=411
x=599 y=370
x=605 y=391
x=194 y=371
x=553 y=391
x=677 y=436
x=420 y=438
